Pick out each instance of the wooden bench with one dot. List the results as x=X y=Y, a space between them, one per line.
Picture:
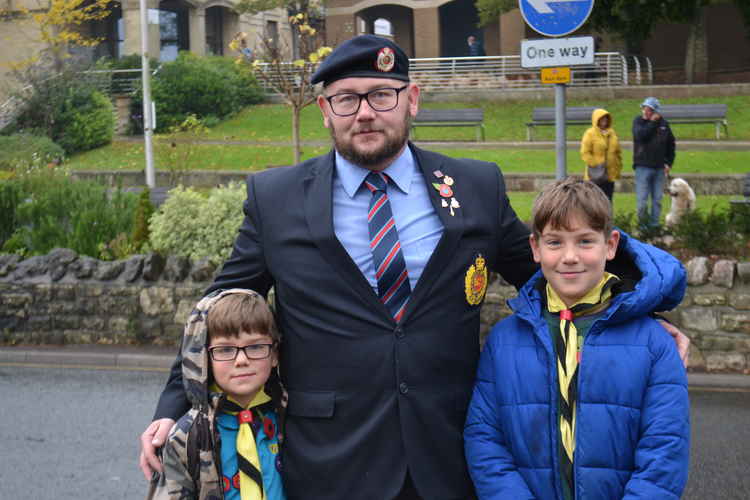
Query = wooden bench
x=470 y=117
x=677 y=113
x=745 y=192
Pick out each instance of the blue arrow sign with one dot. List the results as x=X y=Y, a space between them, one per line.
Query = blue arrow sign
x=555 y=17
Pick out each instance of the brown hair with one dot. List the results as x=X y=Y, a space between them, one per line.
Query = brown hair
x=241 y=312
x=561 y=201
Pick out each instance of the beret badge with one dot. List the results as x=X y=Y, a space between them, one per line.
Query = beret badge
x=386 y=59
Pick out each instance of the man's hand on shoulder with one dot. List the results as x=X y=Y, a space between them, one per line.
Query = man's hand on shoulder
x=680 y=339
x=152 y=438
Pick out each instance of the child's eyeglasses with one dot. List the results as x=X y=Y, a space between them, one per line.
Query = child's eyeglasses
x=229 y=352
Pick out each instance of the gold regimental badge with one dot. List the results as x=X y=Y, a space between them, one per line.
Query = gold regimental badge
x=476 y=281
x=386 y=59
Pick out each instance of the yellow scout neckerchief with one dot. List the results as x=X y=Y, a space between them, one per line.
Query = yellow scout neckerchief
x=251 y=479
x=568 y=348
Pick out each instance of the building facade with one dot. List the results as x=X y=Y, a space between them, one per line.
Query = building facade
x=200 y=26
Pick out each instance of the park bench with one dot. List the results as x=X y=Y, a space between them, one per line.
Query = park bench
x=470 y=117
x=745 y=192
x=676 y=113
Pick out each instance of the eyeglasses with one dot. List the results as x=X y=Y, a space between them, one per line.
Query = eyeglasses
x=229 y=352
x=348 y=103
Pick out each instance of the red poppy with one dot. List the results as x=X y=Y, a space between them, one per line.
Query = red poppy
x=268 y=427
x=445 y=191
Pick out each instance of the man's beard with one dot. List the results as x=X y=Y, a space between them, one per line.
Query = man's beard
x=388 y=151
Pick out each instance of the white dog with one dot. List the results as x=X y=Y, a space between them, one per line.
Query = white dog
x=683 y=200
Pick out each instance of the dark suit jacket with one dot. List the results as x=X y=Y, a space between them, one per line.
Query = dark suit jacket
x=369 y=398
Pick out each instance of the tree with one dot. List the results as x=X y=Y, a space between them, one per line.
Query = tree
x=59 y=23
x=273 y=65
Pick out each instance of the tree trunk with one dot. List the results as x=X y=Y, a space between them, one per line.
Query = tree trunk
x=696 y=56
x=295 y=134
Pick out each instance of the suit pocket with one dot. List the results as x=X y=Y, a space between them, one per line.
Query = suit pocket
x=313 y=404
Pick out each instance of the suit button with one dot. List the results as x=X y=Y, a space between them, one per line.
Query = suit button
x=399 y=332
x=403 y=388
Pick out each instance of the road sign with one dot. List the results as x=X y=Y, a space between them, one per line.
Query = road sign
x=555 y=17
x=547 y=52
x=555 y=75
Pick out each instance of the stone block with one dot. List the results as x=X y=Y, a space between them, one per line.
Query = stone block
x=696 y=360
x=697 y=271
x=194 y=293
x=83 y=268
x=153 y=265
x=33 y=266
x=40 y=323
x=64 y=292
x=743 y=272
x=177 y=268
x=203 y=270
x=709 y=299
x=42 y=293
x=184 y=307
x=157 y=300
x=16 y=300
x=699 y=318
x=66 y=322
x=726 y=361
x=723 y=273
x=118 y=324
x=8 y=263
x=735 y=322
x=124 y=291
x=107 y=271
x=62 y=308
x=93 y=323
x=133 y=267
x=86 y=289
x=740 y=301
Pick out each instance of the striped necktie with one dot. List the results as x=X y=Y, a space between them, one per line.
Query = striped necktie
x=390 y=267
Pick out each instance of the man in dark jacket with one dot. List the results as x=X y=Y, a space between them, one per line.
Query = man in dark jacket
x=653 y=156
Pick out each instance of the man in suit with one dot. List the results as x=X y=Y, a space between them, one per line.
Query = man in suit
x=379 y=260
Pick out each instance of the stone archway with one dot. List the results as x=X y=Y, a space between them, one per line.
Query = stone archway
x=458 y=20
x=400 y=18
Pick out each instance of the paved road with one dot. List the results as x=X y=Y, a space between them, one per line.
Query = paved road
x=71 y=433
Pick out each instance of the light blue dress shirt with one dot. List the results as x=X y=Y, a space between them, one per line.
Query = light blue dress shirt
x=419 y=226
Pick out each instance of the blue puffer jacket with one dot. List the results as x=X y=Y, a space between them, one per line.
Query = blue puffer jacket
x=632 y=430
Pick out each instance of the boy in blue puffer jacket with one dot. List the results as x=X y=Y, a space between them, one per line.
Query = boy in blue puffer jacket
x=579 y=394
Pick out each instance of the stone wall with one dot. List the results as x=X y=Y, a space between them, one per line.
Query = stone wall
x=63 y=298
x=726 y=184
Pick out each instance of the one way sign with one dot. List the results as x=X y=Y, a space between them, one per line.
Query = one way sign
x=555 y=17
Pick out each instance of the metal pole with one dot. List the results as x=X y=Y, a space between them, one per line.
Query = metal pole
x=147 y=117
x=560 y=145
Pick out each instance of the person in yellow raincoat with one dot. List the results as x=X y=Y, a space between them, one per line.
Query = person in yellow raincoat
x=600 y=147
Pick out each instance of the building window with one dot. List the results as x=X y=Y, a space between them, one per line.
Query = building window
x=383 y=27
x=174 y=31
x=215 y=30
x=272 y=32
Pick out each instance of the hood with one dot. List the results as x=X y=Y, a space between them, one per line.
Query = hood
x=195 y=363
x=597 y=114
x=659 y=286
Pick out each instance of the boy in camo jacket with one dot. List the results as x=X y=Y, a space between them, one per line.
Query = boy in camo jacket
x=227 y=445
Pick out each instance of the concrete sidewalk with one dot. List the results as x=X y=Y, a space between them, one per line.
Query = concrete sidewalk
x=161 y=358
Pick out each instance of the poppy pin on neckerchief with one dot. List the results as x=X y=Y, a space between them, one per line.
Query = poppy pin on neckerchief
x=445 y=188
x=476 y=281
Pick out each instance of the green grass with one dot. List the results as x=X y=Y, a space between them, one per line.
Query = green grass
x=622 y=202
x=504 y=121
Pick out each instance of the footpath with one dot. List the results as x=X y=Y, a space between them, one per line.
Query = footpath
x=160 y=358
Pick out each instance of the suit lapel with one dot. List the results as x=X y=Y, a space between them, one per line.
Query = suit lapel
x=319 y=214
x=429 y=163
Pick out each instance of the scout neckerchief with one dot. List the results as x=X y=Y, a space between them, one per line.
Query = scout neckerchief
x=568 y=348
x=251 y=479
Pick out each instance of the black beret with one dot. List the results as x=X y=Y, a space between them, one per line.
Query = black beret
x=364 y=56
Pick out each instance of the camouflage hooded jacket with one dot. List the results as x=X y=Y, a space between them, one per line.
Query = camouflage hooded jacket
x=191 y=455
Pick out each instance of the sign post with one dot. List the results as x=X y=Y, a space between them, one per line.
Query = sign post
x=557 y=18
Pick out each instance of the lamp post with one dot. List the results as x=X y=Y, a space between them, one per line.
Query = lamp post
x=148 y=116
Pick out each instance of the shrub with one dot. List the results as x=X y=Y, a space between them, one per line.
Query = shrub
x=69 y=111
x=143 y=212
x=87 y=122
x=25 y=151
x=203 y=86
x=54 y=211
x=194 y=226
x=708 y=232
